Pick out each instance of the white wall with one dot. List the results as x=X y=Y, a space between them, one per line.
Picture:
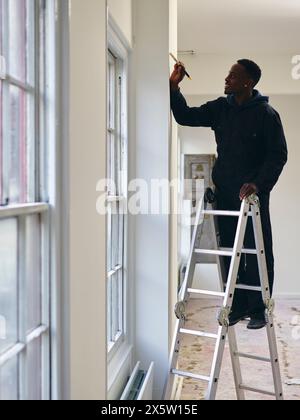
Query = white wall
x=149 y=80
x=285 y=202
x=208 y=73
x=284 y=96
x=121 y=11
x=87 y=164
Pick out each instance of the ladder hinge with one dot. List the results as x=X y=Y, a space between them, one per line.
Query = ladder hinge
x=223 y=317
x=180 y=310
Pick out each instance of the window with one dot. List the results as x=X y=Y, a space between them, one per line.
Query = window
x=24 y=212
x=117 y=193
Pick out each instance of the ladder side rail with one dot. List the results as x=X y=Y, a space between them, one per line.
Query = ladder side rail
x=263 y=273
x=229 y=294
x=236 y=258
x=220 y=264
x=233 y=347
x=182 y=297
x=236 y=366
x=191 y=260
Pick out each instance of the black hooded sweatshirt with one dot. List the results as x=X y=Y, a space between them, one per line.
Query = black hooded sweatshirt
x=251 y=149
x=250 y=139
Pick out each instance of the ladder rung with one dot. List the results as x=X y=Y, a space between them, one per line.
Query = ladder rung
x=223 y=213
x=198 y=333
x=190 y=375
x=244 y=250
x=206 y=292
x=246 y=287
x=214 y=252
x=259 y=391
x=250 y=356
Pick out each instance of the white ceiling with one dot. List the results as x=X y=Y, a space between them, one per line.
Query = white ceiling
x=236 y=26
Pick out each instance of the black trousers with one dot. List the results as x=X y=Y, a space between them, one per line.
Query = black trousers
x=245 y=300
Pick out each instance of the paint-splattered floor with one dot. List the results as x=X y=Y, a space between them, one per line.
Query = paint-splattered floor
x=196 y=353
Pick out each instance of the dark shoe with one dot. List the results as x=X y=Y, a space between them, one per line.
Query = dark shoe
x=257 y=322
x=236 y=317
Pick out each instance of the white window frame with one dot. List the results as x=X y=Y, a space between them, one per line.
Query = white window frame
x=118 y=58
x=120 y=357
x=20 y=212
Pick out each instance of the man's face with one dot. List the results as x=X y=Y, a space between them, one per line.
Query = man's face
x=236 y=80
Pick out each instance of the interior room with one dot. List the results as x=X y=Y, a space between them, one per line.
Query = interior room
x=114 y=283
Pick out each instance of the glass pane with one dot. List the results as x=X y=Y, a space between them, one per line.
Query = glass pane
x=17 y=39
x=109 y=311
x=34 y=370
x=110 y=164
x=8 y=284
x=120 y=301
x=109 y=243
x=115 y=305
x=111 y=92
x=115 y=236
x=9 y=380
x=29 y=159
x=117 y=164
x=18 y=158
x=1 y=106
x=1 y=26
x=30 y=35
x=1 y=142
x=33 y=273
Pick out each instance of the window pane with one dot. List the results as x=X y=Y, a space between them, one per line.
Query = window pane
x=109 y=243
x=1 y=104
x=116 y=236
x=115 y=240
x=30 y=35
x=1 y=140
x=115 y=305
x=34 y=370
x=29 y=159
x=111 y=92
x=110 y=165
x=109 y=312
x=117 y=164
x=120 y=300
x=8 y=283
x=33 y=272
x=18 y=161
x=9 y=380
x=17 y=39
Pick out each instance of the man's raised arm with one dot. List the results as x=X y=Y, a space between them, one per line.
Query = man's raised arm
x=203 y=116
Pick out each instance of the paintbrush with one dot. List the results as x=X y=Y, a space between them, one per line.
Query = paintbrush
x=178 y=62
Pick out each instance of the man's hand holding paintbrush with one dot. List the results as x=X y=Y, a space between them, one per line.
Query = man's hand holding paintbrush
x=177 y=76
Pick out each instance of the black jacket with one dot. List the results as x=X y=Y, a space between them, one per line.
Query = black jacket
x=250 y=139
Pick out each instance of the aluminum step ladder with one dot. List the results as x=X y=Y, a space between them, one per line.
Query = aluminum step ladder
x=249 y=208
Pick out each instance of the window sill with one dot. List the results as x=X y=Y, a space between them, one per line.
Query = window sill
x=119 y=369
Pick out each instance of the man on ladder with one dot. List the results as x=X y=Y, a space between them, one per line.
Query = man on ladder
x=252 y=152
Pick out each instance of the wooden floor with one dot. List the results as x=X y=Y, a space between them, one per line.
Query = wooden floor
x=196 y=353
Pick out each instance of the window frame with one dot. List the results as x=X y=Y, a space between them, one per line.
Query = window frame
x=121 y=55
x=40 y=207
x=115 y=147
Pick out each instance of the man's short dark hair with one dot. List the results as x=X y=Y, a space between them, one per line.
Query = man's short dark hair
x=252 y=69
